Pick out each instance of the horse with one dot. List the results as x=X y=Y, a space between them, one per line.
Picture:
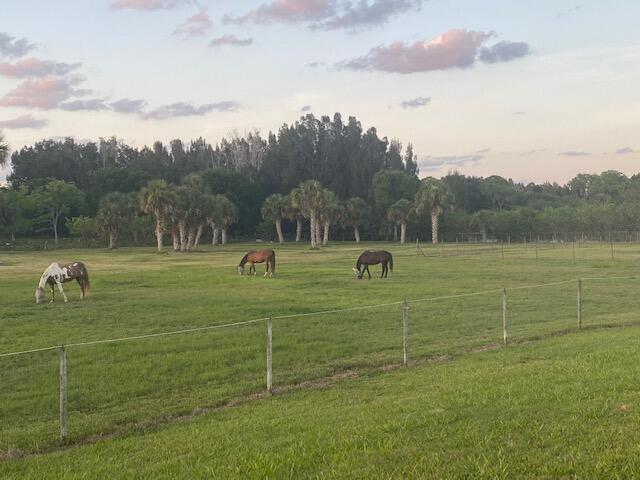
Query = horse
x=373 y=258
x=57 y=274
x=258 y=256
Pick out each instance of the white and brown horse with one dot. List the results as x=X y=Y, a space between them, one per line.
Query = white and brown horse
x=258 y=256
x=57 y=274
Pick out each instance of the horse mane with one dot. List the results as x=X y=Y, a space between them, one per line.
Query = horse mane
x=244 y=259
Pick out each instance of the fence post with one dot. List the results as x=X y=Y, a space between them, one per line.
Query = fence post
x=611 y=249
x=269 y=354
x=579 y=304
x=63 y=393
x=502 y=248
x=574 y=251
x=504 y=315
x=417 y=247
x=536 y=251
x=405 y=333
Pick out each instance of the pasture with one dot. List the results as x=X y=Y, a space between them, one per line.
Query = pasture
x=122 y=388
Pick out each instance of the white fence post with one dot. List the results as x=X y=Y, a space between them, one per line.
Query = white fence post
x=63 y=393
x=269 y=355
x=405 y=332
x=579 y=303
x=504 y=315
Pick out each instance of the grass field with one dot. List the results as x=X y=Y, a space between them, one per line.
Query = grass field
x=126 y=388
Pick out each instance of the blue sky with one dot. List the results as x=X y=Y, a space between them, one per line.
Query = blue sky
x=528 y=90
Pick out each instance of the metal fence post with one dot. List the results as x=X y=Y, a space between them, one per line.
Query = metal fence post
x=405 y=333
x=504 y=315
x=579 y=303
x=269 y=354
x=63 y=393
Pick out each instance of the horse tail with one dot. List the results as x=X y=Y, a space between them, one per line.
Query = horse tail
x=86 y=284
x=391 y=262
x=273 y=262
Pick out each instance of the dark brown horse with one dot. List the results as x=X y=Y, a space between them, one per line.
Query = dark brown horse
x=57 y=274
x=258 y=256
x=373 y=258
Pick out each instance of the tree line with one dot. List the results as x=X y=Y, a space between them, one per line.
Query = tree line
x=313 y=179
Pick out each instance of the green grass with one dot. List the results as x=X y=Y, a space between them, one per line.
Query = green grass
x=119 y=387
x=564 y=407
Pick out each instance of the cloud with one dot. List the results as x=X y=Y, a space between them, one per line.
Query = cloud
x=231 y=40
x=452 y=49
x=147 y=5
x=573 y=153
x=415 y=102
x=196 y=24
x=287 y=11
x=14 y=47
x=570 y=11
x=435 y=163
x=504 y=51
x=625 y=150
x=23 y=121
x=366 y=13
x=483 y=151
x=315 y=64
x=306 y=108
x=43 y=93
x=188 y=110
x=519 y=113
x=91 y=105
x=34 y=67
x=128 y=106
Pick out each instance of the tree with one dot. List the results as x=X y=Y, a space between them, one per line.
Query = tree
x=4 y=151
x=481 y=220
x=156 y=198
x=274 y=209
x=57 y=198
x=399 y=213
x=354 y=214
x=8 y=212
x=307 y=198
x=84 y=227
x=433 y=197
x=115 y=214
x=330 y=212
x=411 y=161
x=228 y=215
x=294 y=213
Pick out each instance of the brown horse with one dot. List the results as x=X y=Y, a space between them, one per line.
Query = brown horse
x=373 y=258
x=258 y=256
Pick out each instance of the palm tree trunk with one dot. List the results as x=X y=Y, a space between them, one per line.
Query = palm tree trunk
x=216 y=235
x=190 y=239
x=403 y=232
x=279 y=230
x=198 y=235
x=55 y=229
x=182 y=229
x=318 y=233
x=159 y=234
x=434 y=226
x=112 y=240
x=356 y=232
x=395 y=232
x=298 y=229
x=224 y=235
x=325 y=238
x=312 y=230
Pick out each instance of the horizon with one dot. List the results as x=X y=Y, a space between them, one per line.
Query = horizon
x=536 y=93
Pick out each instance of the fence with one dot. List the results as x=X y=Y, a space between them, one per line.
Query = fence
x=106 y=385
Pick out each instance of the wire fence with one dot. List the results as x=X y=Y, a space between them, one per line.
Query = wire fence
x=68 y=393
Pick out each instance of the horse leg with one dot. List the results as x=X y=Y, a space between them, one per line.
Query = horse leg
x=62 y=292
x=368 y=272
x=383 y=267
x=81 y=289
x=53 y=295
x=267 y=270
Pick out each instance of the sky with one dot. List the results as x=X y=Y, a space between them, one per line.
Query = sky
x=533 y=91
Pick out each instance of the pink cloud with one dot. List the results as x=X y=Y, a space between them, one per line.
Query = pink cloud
x=146 y=5
x=23 y=121
x=231 y=40
x=43 y=93
x=289 y=11
x=196 y=24
x=34 y=67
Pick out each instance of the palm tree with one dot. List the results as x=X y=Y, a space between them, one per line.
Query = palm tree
x=400 y=213
x=4 y=151
x=294 y=214
x=115 y=214
x=330 y=213
x=433 y=197
x=481 y=220
x=354 y=215
x=228 y=215
x=275 y=209
x=156 y=198
x=307 y=198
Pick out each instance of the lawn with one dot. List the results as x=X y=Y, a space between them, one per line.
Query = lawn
x=121 y=388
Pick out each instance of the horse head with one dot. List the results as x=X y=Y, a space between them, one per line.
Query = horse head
x=240 y=269
x=40 y=295
x=358 y=273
